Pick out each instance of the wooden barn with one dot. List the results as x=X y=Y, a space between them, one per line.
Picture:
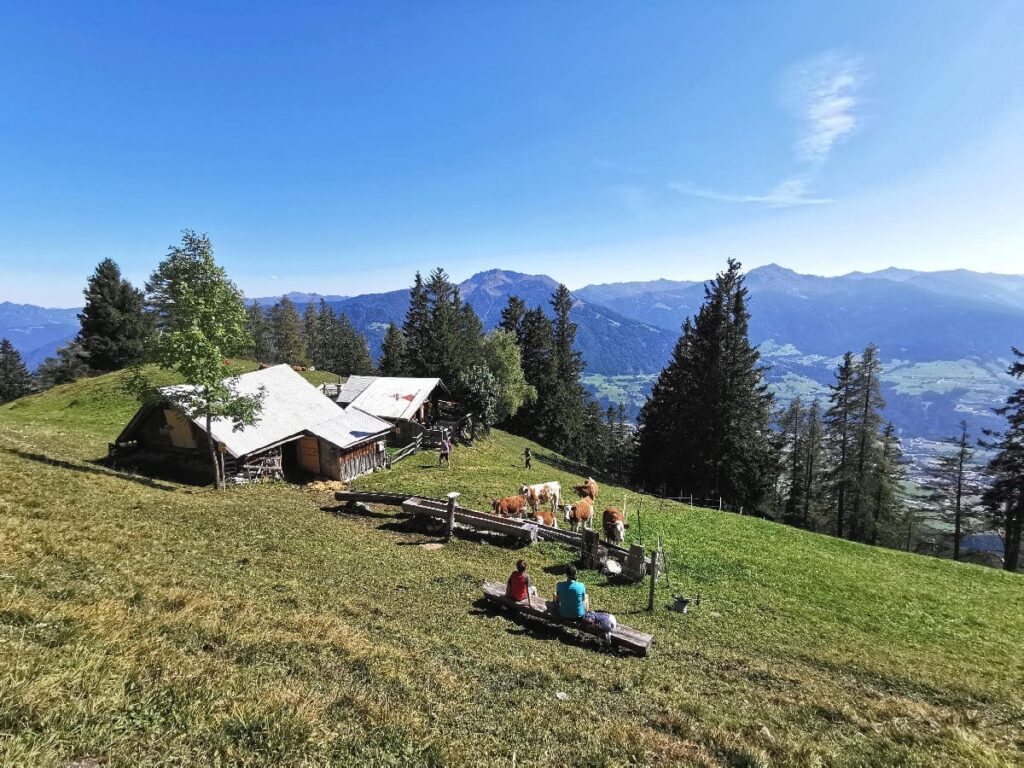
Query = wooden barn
x=411 y=404
x=300 y=433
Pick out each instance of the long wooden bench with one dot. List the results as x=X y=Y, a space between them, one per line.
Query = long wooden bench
x=542 y=610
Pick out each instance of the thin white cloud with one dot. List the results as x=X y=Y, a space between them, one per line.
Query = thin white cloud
x=822 y=91
x=786 y=194
x=274 y=277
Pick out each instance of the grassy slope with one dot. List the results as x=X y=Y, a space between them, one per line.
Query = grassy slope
x=146 y=622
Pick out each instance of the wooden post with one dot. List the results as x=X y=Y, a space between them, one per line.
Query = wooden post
x=589 y=553
x=691 y=499
x=449 y=525
x=719 y=503
x=654 y=577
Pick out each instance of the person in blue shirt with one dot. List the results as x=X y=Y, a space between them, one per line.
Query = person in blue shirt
x=571 y=596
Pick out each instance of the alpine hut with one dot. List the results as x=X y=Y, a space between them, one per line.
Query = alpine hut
x=299 y=433
x=411 y=404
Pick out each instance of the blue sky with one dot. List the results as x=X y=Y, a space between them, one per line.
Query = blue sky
x=338 y=147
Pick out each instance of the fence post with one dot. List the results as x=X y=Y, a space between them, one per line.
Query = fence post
x=691 y=499
x=654 y=577
x=719 y=503
x=449 y=525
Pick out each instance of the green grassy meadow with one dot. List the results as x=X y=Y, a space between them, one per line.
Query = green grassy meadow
x=144 y=622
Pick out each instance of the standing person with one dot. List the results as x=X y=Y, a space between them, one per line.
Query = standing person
x=445 y=452
x=528 y=457
x=571 y=596
x=519 y=586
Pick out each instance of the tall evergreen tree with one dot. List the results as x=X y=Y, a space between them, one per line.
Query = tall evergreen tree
x=814 y=464
x=839 y=427
x=392 y=352
x=114 y=327
x=324 y=331
x=887 y=474
x=15 y=380
x=286 y=331
x=953 y=486
x=351 y=355
x=1004 y=498
x=513 y=316
x=417 y=330
x=66 y=367
x=311 y=336
x=258 y=327
x=563 y=417
x=793 y=438
x=868 y=402
x=707 y=424
x=537 y=355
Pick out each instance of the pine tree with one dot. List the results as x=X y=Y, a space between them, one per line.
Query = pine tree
x=564 y=419
x=114 y=327
x=258 y=327
x=887 y=475
x=513 y=316
x=286 y=331
x=392 y=352
x=66 y=367
x=707 y=424
x=814 y=464
x=15 y=380
x=793 y=439
x=839 y=422
x=953 y=486
x=351 y=356
x=868 y=402
x=323 y=330
x=417 y=330
x=537 y=353
x=1004 y=498
x=311 y=338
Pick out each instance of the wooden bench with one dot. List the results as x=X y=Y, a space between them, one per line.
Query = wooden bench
x=541 y=610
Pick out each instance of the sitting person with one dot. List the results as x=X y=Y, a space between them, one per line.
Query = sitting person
x=571 y=596
x=519 y=586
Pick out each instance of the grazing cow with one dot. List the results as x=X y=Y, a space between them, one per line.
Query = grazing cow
x=580 y=513
x=510 y=506
x=541 y=492
x=545 y=517
x=588 y=489
x=615 y=525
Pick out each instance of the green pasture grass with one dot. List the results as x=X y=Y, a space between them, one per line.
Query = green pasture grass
x=144 y=622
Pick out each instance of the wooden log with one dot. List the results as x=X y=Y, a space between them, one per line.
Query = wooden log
x=545 y=611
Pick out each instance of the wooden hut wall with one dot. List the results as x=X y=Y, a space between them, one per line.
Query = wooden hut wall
x=360 y=460
x=155 y=433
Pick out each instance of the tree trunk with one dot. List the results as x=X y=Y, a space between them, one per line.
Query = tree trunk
x=956 y=513
x=1011 y=544
x=218 y=475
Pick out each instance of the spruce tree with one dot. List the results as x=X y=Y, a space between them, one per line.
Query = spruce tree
x=1004 y=497
x=813 y=464
x=887 y=476
x=707 y=424
x=839 y=424
x=953 y=485
x=868 y=402
x=417 y=331
x=537 y=355
x=258 y=327
x=66 y=367
x=311 y=337
x=392 y=352
x=114 y=328
x=324 y=330
x=351 y=356
x=512 y=318
x=286 y=331
x=15 y=380
x=793 y=439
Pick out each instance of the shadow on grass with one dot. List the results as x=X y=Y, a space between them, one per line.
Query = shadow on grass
x=96 y=468
x=536 y=629
x=356 y=510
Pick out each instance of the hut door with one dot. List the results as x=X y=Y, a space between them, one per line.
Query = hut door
x=180 y=429
x=309 y=454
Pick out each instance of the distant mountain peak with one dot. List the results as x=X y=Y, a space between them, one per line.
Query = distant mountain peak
x=497 y=281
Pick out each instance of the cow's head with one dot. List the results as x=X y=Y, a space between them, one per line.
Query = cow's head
x=620 y=530
x=524 y=489
x=569 y=510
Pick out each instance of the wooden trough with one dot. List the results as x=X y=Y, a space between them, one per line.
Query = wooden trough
x=537 y=609
x=595 y=552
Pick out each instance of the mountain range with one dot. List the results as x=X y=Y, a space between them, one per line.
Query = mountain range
x=944 y=337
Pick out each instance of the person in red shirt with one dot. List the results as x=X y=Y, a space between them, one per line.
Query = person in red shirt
x=519 y=587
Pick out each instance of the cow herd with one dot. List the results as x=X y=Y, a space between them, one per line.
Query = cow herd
x=529 y=504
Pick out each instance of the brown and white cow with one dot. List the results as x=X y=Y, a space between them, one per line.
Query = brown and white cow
x=545 y=517
x=542 y=492
x=580 y=513
x=510 y=506
x=614 y=524
x=589 y=489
